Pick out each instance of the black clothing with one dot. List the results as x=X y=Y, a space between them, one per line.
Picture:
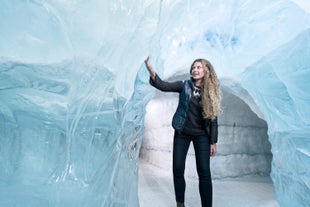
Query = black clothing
x=202 y=153
x=190 y=126
x=188 y=118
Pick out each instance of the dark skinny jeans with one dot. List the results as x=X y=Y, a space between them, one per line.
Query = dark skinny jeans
x=202 y=153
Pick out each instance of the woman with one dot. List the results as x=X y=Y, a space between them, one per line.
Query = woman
x=194 y=120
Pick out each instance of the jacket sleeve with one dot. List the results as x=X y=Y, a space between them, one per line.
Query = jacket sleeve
x=167 y=86
x=213 y=126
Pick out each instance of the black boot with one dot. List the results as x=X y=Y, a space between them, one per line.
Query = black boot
x=180 y=204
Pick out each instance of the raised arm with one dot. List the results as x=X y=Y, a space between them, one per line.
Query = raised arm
x=156 y=81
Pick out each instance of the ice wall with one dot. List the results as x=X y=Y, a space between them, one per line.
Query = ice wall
x=67 y=138
x=73 y=89
x=280 y=87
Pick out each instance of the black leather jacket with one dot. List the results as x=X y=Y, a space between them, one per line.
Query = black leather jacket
x=186 y=90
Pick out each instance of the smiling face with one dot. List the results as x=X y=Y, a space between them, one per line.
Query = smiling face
x=197 y=71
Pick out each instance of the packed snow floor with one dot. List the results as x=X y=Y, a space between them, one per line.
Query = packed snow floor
x=156 y=190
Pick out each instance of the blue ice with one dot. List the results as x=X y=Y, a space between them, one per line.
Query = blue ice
x=73 y=89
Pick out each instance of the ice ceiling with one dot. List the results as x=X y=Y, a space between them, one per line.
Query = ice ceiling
x=73 y=89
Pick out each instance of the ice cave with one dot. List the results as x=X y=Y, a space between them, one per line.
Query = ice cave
x=78 y=115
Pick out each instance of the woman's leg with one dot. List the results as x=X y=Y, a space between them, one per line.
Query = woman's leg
x=202 y=153
x=180 y=147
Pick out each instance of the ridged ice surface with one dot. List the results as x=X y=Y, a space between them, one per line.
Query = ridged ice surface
x=281 y=91
x=73 y=89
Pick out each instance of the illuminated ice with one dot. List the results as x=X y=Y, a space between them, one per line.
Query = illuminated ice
x=73 y=89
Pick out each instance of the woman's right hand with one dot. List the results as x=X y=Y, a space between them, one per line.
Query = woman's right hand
x=147 y=62
x=150 y=68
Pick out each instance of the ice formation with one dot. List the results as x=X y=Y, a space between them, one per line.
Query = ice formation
x=74 y=89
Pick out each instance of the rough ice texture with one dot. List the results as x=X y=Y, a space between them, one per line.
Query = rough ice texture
x=283 y=77
x=73 y=89
x=67 y=138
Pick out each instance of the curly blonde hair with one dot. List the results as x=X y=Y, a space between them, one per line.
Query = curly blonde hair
x=210 y=96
